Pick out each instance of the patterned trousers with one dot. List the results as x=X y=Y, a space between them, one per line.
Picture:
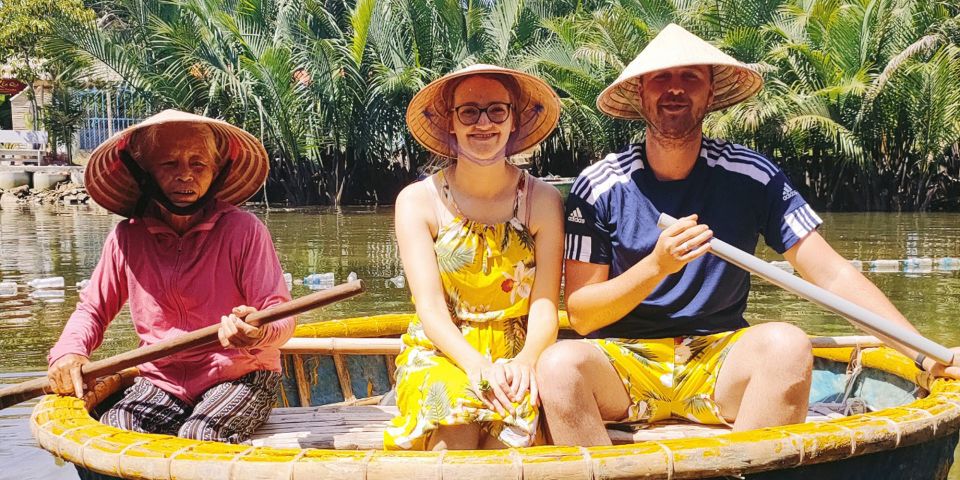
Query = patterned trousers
x=228 y=412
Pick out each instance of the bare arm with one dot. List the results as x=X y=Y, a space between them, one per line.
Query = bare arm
x=547 y=227
x=594 y=300
x=819 y=263
x=415 y=224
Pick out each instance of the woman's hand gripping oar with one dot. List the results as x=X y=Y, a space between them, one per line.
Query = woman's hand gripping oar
x=24 y=391
x=872 y=323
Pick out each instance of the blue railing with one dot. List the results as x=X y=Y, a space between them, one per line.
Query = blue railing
x=126 y=108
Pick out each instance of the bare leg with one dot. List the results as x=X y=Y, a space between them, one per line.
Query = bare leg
x=765 y=379
x=579 y=389
x=455 y=437
x=489 y=442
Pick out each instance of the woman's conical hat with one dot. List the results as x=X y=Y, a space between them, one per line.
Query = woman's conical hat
x=113 y=187
x=428 y=115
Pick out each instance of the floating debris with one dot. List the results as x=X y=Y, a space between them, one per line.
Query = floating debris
x=398 y=282
x=49 y=282
x=319 y=281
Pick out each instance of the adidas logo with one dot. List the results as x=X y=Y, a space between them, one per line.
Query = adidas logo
x=788 y=192
x=576 y=216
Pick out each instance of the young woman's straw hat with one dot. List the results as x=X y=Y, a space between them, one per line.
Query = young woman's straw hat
x=673 y=47
x=428 y=115
x=112 y=185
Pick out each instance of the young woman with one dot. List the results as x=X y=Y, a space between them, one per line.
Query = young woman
x=481 y=243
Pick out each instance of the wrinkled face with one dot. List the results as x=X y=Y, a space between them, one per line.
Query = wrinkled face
x=183 y=161
x=485 y=141
x=675 y=100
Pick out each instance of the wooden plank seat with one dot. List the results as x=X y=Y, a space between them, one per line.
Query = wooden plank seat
x=360 y=427
x=355 y=426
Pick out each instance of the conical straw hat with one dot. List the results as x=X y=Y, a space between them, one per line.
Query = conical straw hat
x=673 y=47
x=112 y=186
x=428 y=115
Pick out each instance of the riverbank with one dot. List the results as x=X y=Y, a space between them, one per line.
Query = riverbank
x=63 y=193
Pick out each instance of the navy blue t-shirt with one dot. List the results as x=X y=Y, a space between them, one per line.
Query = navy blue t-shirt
x=612 y=213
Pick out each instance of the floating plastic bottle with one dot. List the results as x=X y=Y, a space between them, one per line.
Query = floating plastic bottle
x=288 y=279
x=884 y=265
x=319 y=281
x=948 y=264
x=857 y=265
x=83 y=284
x=49 y=282
x=398 y=282
x=8 y=289
x=352 y=276
x=49 y=295
x=918 y=265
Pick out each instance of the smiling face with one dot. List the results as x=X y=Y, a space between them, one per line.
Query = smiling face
x=675 y=100
x=182 y=158
x=483 y=142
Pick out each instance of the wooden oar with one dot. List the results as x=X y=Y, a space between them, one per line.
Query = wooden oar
x=33 y=388
x=857 y=315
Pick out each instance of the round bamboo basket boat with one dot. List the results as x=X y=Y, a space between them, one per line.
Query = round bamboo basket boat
x=347 y=366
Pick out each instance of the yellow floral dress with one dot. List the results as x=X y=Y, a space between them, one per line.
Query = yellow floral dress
x=487 y=273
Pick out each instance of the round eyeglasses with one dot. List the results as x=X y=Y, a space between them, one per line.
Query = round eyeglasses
x=497 y=112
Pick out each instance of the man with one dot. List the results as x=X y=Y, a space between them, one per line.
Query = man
x=625 y=279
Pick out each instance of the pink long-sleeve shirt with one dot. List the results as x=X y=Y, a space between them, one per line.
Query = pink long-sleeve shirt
x=178 y=284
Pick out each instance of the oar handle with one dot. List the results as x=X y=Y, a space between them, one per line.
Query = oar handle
x=859 y=316
x=30 y=389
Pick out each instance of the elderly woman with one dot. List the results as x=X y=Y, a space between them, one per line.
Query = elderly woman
x=185 y=258
x=480 y=242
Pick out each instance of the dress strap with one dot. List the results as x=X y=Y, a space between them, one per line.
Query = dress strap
x=521 y=193
x=527 y=196
x=448 y=195
x=442 y=192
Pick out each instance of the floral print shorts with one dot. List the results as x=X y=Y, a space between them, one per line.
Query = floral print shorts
x=670 y=377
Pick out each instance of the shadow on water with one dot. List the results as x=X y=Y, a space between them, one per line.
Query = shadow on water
x=66 y=241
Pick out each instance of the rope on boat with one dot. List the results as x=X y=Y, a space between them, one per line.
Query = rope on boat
x=440 y=457
x=670 y=466
x=64 y=435
x=173 y=457
x=896 y=428
x=800 y=440
x=236 y=458
x=83 y=447
x=366 y=463
x=123 y=452
x=517 y=461
x=589 y=459
x=304 y=451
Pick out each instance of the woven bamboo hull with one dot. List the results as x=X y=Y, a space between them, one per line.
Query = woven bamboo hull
x=912 y=440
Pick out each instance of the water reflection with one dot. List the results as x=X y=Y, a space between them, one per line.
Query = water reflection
x=37 y=242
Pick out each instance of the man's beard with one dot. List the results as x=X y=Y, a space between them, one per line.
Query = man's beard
x=675 y=127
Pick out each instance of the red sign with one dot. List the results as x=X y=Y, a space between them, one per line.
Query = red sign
x=11 y=86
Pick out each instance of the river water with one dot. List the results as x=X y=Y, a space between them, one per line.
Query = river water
x=41 y=242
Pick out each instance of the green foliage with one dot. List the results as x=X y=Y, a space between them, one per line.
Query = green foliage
x=860 y=102
x=28 y=38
